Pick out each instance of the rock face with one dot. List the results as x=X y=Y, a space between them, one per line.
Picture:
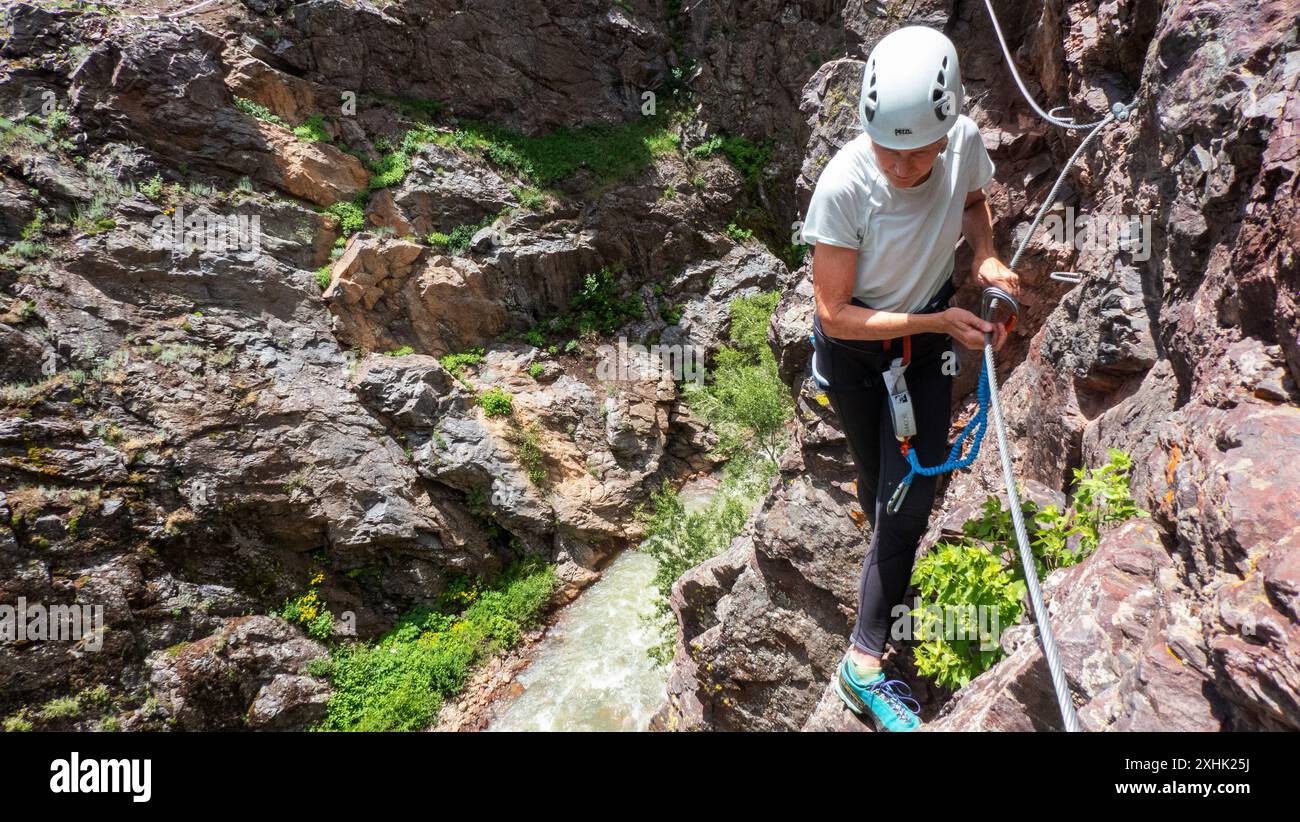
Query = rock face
x=224 y=330
x=247 y=674
x=1183 y=356
x=190 y=430
x=165 y=88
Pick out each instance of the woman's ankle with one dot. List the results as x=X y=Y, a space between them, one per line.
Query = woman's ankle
x=863 y=660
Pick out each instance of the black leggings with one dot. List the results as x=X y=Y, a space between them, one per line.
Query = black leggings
x=858 y=396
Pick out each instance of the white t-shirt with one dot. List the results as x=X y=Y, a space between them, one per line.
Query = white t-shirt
x=904 y=236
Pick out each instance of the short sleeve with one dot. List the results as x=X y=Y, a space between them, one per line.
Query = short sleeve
x=981 y=164
x=835 y=211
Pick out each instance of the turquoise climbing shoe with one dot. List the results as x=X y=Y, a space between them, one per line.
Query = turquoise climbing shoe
x=885 y=701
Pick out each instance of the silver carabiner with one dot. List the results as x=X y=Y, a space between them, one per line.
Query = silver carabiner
x=896 y=498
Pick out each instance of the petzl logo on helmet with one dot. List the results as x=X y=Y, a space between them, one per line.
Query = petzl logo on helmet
x=898 y=131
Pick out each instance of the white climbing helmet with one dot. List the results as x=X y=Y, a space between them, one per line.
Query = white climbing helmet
x=911 y=89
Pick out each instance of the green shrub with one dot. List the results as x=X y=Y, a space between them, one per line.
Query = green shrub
x=308 y=611
x=461 y=236
x=259 y=111
x=153 y=188
x=351 y=216
x=612 y=152
x=57 y=121
x=399 y=682
x=535 y=370
x=19 y=722
x=951 y=581
x=746 y=404
x=313 y=130
x=527 y=442
x=456 y=363
x=984 y=568
x=496 y=402
x=66 y=707
x=389 y=170
x=748 y=157
x=739 y=234
x=595 y=308
x=679 y=541
x=324 y=276
x=530 y=198
x=35 y=230
x=404 y=351
x=707 y=148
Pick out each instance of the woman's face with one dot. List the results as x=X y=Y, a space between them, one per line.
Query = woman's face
x=905 y=169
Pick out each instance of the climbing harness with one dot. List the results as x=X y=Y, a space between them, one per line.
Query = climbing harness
x=974 y=430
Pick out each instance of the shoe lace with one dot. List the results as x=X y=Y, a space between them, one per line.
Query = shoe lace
x=896 y=694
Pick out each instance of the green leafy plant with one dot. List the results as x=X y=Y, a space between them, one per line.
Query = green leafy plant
x=739 y=234
x=1102 y=498
x=957 y=642
x=707 y=148
x=680 y=540
x=399 y=682
x=153 y=187
x=350 y=214
x=746 y=404
x=457 y=363
x=389 y=169
x=313 y=130
x=984 y=568
x=496 y=402
x=308 y=610
x=259 y=111
x=530 y=198
x=611 y=152
x=462 y=235
x=527 y=442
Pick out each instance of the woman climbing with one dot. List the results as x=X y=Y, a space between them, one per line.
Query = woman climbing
x=885 y=217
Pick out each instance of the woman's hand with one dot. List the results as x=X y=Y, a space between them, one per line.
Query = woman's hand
x=968 y=329
x=991 y=272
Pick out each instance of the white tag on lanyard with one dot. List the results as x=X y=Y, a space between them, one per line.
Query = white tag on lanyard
x=900 y=402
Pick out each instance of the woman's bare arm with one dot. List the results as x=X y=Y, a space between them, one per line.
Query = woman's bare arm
x=834 y=272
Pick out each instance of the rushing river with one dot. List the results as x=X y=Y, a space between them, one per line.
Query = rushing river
x=591 y=672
